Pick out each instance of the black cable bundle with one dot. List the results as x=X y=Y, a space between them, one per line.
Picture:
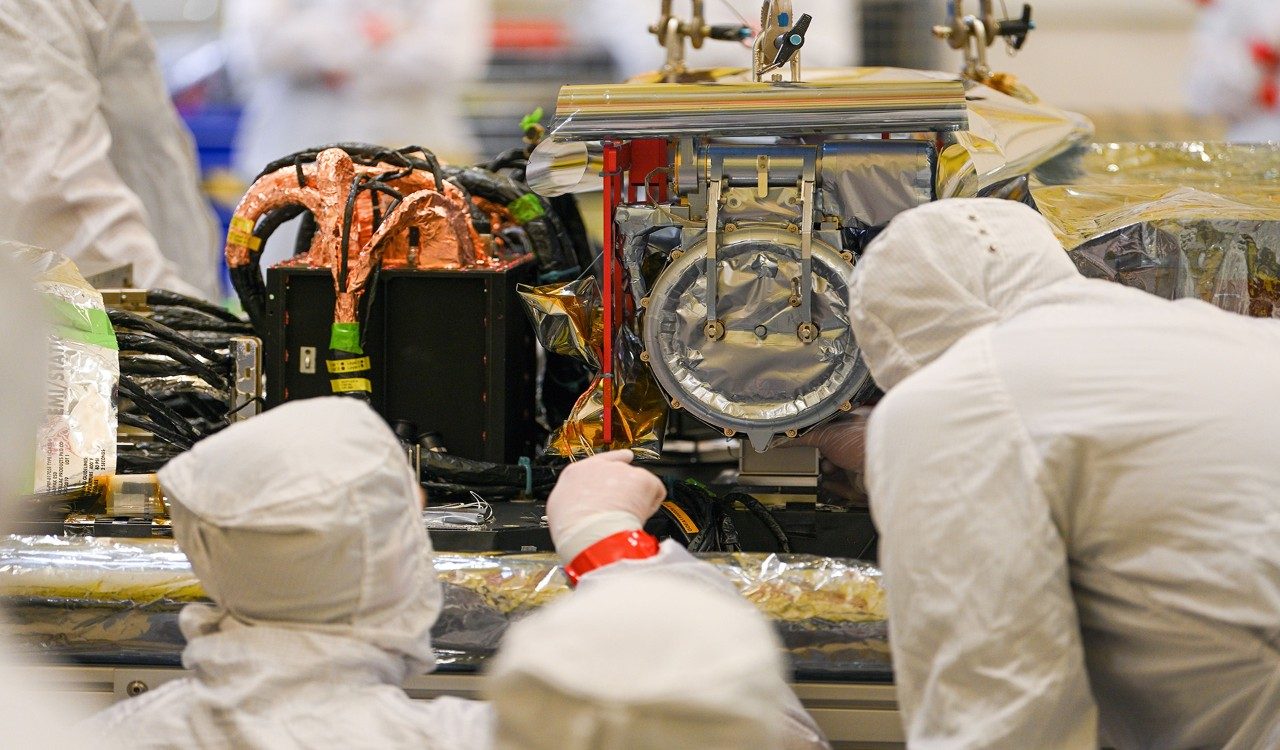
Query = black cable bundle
x=174 y=383
x=710 y=515
x=447 y=474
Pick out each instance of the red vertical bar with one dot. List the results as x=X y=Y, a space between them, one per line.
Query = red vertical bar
x=612 y=196
x=651 y=167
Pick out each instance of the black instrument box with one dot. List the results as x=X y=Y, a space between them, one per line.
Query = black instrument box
x=452 y=352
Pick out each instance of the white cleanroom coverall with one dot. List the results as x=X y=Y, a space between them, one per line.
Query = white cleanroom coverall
x=1078 y=490
x=1235 y=68
x=303 y=526
x=640 y=662
x=654 y=651
x=390 y=72
x=94 y=162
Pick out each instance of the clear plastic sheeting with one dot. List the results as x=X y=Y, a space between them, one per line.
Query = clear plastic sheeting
x=77 y=439
x=116 y=601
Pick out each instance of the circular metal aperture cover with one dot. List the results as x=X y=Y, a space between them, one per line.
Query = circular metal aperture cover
x=760 y=378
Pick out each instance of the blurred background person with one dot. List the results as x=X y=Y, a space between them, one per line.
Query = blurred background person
x=1236 y=70
x=622 y=26
x=94 y=162
x=389 y=72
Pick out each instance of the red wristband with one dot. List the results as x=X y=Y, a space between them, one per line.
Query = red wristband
x=625 y=545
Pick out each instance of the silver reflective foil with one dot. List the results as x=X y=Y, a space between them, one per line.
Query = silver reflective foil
x=563 y=167
x=1232 y=264
x=1179 y=220
x=760 y=378
x=901 y=103
x=871 y=182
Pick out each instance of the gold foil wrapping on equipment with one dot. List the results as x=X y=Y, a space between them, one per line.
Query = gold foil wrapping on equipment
x=1179 y=220
x=568 y=320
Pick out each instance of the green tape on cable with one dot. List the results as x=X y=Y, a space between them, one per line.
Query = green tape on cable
x=345 y=337
x=526 y=208
x=531 y=120
x=88 y=325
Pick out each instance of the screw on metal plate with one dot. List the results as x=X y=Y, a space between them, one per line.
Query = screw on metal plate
x=307 y=360
x=677 y=254
x=807 y=332
x=761 y=331
x=644 y=302
x=675 y=403
x=730 y=227
x=793 y=228
x=846 y=406
x=848 y=256
x=644 y=356
x=714 y=330
x=792 y=433
x=730 y=432
x=135 y=688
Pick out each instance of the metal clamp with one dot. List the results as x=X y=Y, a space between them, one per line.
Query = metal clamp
x=975 y=33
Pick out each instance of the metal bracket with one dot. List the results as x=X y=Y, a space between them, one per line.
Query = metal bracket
x=806 y=330
x=133 y=300
x=713 y=328
x=246 y=393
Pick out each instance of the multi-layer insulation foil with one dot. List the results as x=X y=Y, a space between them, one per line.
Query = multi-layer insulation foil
x=1180 y=220
x=568 y=320
x=118 y=601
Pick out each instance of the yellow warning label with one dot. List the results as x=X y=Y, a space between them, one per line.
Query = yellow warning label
x=243 y=239
x=241 y=224
x=682 y=518
x=342 y=366
x=352 y=385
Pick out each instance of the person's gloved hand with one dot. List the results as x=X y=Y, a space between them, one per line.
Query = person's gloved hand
x=842 y=442
x=599 y=497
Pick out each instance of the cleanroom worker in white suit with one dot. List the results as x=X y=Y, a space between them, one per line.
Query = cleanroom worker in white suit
x=387 y=72
x=94 y=162
x=390 y=72
x=324 y=591
x=1076 y=486
x=1235 y=68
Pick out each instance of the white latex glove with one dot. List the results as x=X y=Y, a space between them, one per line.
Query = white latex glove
x=842 y=442
x=598 y=497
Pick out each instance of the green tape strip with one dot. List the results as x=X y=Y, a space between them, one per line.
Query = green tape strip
x=533 y=119
x=84 y=324
x=526 y=208
x=345 y=337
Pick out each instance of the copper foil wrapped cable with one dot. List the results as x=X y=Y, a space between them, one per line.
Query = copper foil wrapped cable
x=445 y=235
x=386 y=211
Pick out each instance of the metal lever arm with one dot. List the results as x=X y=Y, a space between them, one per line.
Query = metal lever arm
x=790 y=41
